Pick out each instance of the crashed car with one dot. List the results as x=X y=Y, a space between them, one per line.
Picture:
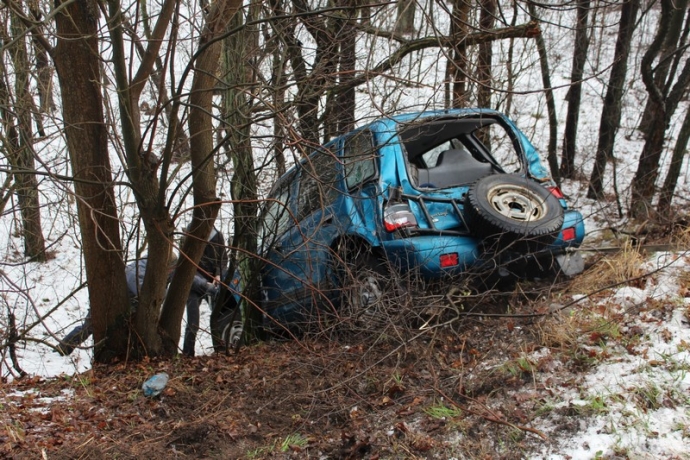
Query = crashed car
x=435 y=194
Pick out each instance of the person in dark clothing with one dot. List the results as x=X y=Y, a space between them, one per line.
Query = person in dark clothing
x=134 y=272
x=212 y=266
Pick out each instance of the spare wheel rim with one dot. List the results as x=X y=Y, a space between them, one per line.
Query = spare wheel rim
x=517 y=203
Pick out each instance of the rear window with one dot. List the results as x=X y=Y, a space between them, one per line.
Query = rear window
x=458 y=151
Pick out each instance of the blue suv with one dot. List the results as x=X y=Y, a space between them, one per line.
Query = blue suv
x=437 y=195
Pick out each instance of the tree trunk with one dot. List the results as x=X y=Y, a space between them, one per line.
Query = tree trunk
x=43 y=71
x=278 y=75
x=346 y=72
x=679 y=151
x=611 y=115
x=510 y=72
x=241 y=47
x=575 y=90
x=663 y=104
x=142 y=167
x=21 y=150
x=552 y=154
x=87 y=142
x=456 y=70
x=663 y=74
x=406 y=12
x=206 y=204
x=484 y=79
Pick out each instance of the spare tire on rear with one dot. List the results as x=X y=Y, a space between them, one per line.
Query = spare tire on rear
x=513 y=208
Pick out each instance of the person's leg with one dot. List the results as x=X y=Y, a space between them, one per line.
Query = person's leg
x=76 y=337
x=192 y=323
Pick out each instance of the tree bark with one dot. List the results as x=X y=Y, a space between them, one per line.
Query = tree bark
x=79 y=76
x=679 y=151
x=345 y=101
x=552 y=153
x=406 y=12
x=206 y=203
x=21 y=152
x=611 y=115
x=241 y=47
x=484 y=78
x=663 y=74
x=663 y=104
x=575 y=90
x=456 y=69
x=142 y=168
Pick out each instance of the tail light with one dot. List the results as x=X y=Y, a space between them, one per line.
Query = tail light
x=568 y=234
x=398 y=216
x=555 y=191
x=449 y=260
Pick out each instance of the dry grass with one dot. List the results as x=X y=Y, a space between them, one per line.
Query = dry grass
x=611 y=269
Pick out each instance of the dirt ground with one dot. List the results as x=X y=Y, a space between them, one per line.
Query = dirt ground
x=461 y=383
x=417 y=393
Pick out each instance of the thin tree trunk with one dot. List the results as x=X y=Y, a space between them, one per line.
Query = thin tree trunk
x=552 y=153
x=679 y=151
x=611 y=115
x=21 y=148
x=348 y=59
x=142 y=168
x=406 y=12
x=663 y=105
x=484 y=74
x=279 y=77
x=509 y=64
x=575 y=90
x=456 y=70
x=43 y=70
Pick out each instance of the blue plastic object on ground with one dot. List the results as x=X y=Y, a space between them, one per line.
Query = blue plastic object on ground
x=155 y=385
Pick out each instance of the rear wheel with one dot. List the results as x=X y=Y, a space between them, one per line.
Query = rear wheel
x=369 y=291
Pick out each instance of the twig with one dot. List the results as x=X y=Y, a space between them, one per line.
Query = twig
x=492 y=417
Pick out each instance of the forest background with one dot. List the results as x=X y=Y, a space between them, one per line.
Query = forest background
x=122 y=123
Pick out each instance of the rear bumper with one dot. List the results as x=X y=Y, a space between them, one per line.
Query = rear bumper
x=423 y=253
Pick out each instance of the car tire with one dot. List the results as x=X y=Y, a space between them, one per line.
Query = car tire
x=365 y=284
x=513 y=208
x=227 y=331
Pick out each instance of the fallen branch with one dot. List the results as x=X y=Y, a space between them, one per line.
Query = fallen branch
x=492 y=416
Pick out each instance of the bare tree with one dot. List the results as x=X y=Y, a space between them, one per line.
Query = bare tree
x=457 y=67
x=664 y=100
x=611 y=115
x=18 y=106
x=242 y=46
x=202 y=148
x=664 y=71
x=406 y=12
x=487 y=19
x=552 y=154
x=575 y=91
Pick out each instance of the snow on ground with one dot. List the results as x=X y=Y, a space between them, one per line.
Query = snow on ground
x=639 y=398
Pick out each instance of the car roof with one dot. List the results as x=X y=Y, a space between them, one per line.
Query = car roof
x=391 y=123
